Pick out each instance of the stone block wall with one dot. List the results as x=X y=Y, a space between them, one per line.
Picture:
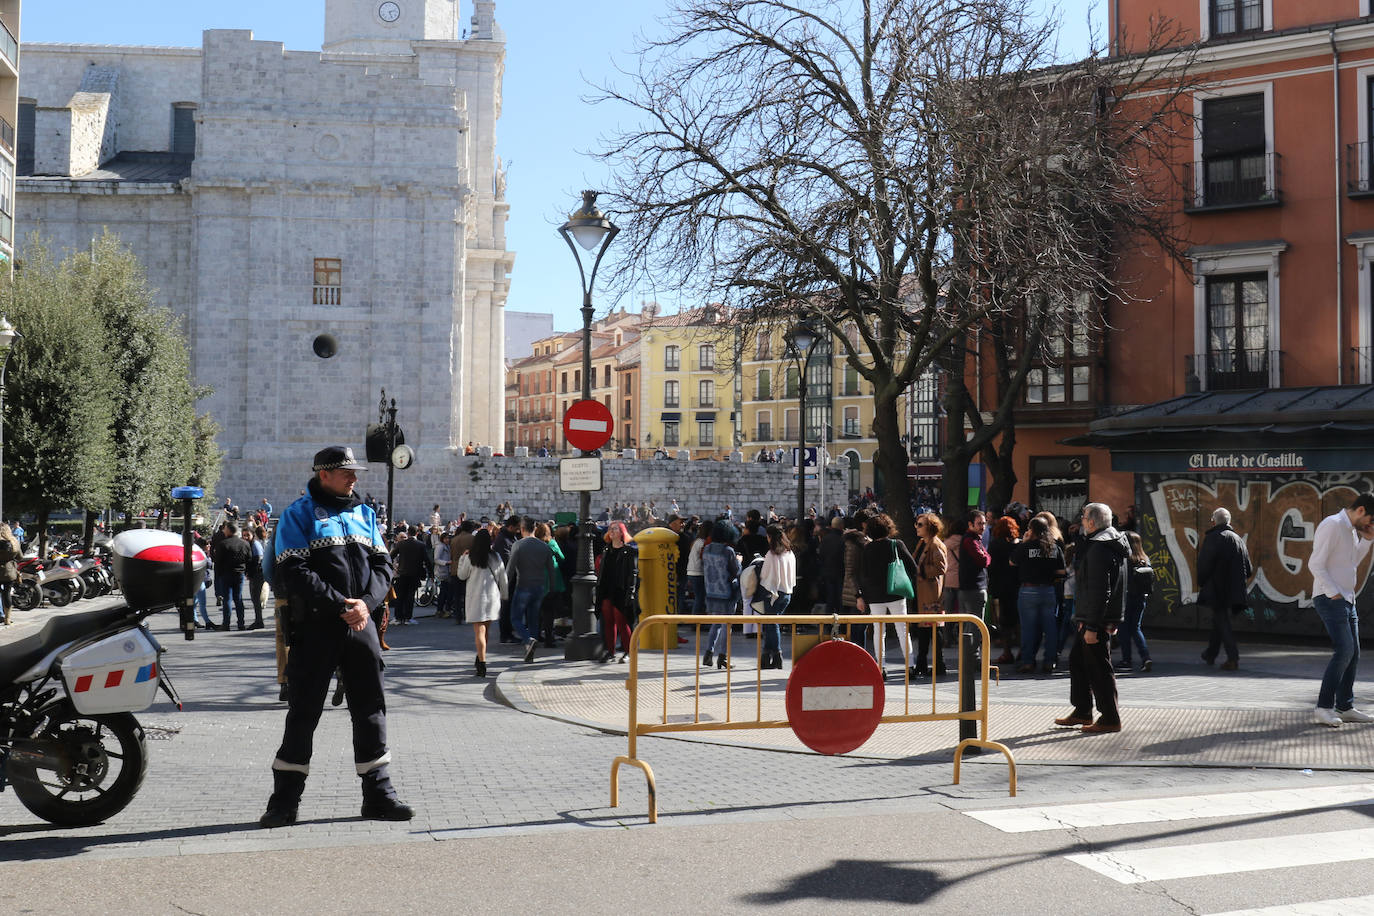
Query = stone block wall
x=476 y=485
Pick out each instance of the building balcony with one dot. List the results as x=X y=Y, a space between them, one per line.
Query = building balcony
x=704 y=442
x=1359 y=171
x=765 y=433
x=1232 y=182
x=510 y=416
x=763 y=395
x=1233 y=370
x=672 y=403
x=703 y=365
x=7 y=135
x=9 y=46
x=708 y=403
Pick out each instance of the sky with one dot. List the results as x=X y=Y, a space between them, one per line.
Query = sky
x=554 y=53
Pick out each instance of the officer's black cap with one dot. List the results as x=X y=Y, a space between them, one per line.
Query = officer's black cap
x=336 y=457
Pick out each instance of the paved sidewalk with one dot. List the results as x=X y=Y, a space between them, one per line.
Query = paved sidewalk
x=1182 y=713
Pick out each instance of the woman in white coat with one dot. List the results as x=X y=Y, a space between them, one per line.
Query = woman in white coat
x=481 y=568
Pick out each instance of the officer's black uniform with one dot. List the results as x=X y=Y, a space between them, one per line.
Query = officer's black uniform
x=328 y=549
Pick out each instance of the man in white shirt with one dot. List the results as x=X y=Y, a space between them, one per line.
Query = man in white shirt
x=1341 y=542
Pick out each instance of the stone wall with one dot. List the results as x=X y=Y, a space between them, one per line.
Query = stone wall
x=476 y=485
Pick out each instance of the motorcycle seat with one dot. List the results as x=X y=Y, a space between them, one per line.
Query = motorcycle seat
x=18 y=656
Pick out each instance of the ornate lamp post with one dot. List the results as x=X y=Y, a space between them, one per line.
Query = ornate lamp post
x=592 y=232
x=8 y=335
x=800 y=339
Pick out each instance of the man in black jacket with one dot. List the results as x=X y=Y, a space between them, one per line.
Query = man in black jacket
x=331 y=564
x=412 y=566
x=1223 y=569
x=1099 y=605
x=232 y=556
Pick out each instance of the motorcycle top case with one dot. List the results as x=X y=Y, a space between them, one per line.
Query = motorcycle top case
x=115 y=674
x=150 y=567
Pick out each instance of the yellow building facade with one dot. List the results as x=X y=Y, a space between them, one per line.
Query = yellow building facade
x=687 y=388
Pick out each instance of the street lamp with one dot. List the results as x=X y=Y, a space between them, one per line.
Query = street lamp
x=8 y=335
x=800 y=339
x=593 y=232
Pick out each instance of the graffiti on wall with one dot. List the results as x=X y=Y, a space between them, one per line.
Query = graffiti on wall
x=1275 y=515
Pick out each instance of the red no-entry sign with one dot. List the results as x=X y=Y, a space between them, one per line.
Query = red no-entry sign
x=835 y=697
x=588 y=424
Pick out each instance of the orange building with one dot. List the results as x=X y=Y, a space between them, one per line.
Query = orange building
x=1240 y=378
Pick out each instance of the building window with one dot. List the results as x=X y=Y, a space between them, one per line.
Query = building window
x=577 y=379
x=791 y=388
x=764 y=387
x=1066 y=375
x=24 y=138
x=765 y=426
x=851 y=423
x=1237 y=332
x=925 y=418
x=1235 y=167
x=184 y=129
x=791 y=426
x=565 y=383
x=670 y=435
x=706 y=393
x=706 y=434
x=1231 y=17
x=328 y=281
x=706 y=357
x=763 y=348
x=607 y=377
x=672 y=358
x=627 y=414
x=851 y=381
x=670 y=394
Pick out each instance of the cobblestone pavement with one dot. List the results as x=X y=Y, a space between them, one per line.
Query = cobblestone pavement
x=476 y=767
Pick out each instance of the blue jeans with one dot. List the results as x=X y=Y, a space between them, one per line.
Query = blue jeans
x=772 y=633
x=698 y=584
x=524 y=612
x=200 y=605
x=716 y=636
x=1343 y=625
x=1130 y=633
x=1038 y=607
x=233 y=591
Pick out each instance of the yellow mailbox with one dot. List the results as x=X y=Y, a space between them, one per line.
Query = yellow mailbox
x=658 y=585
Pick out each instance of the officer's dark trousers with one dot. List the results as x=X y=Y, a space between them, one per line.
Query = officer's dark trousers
x=1091 y=677
x=317 y=649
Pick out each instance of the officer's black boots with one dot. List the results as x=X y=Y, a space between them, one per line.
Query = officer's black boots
x=379 y=799
x=287 y=786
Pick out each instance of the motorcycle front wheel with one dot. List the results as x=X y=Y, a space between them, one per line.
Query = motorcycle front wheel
x=62 y=592
x=26 y=596
x=102 y=762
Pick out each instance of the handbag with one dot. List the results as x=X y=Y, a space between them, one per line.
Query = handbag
x=898 y=582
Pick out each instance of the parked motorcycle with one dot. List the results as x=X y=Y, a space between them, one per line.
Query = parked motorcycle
x=69 y=743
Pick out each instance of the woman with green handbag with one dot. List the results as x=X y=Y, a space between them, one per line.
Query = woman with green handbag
x=886 y=579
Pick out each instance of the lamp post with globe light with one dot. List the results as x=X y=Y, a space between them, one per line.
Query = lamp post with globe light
x=800 y=338
x=590 y=230
x=8 y=335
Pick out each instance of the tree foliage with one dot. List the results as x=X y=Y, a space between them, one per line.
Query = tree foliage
x=875 y=165
x=99 y=406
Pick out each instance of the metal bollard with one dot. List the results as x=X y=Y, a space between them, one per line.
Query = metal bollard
x=970 y=662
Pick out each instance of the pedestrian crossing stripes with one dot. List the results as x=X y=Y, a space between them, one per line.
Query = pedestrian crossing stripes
x=1346 y=906
x=1156 y=810
x=1165 y=863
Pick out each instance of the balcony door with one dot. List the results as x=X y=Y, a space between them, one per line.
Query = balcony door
x=1238 y=332
x=1233 y=150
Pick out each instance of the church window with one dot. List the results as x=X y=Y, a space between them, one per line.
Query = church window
x=328 y=281
x=184 y=129
x=25 y=139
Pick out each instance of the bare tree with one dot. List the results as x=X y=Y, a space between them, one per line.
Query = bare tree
x=907 y=169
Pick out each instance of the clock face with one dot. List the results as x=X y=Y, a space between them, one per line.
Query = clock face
x=402 y=456
x=389 y=11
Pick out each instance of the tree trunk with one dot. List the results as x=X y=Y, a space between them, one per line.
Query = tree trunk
x=41 y=520
x=957 y=452
x=1000 y=462
x=88 y=532
x=891 y=458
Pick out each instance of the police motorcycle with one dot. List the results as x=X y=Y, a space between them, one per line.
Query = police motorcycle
x=70 y=746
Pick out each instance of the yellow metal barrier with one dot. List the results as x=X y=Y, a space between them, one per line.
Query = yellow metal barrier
x=831 y=621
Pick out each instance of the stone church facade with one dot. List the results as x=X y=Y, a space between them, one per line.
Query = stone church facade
x=325 y=223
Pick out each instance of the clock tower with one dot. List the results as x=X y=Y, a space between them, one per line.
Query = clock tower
x=387 y=26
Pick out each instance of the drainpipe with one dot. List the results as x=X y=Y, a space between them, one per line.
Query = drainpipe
x=1340 y=223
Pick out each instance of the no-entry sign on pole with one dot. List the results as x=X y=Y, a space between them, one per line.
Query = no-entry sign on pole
x=588 y=425
x=835 y=697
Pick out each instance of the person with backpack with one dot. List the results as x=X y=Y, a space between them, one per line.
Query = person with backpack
x=720 y=573
x=1140 y=579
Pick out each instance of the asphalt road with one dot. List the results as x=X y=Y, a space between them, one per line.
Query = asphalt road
x=513 y=817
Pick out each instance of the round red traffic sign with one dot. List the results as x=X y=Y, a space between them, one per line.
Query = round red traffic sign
x=587 y=425
x=835 y=697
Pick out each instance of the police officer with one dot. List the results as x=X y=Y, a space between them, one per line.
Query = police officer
x=333 y=567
